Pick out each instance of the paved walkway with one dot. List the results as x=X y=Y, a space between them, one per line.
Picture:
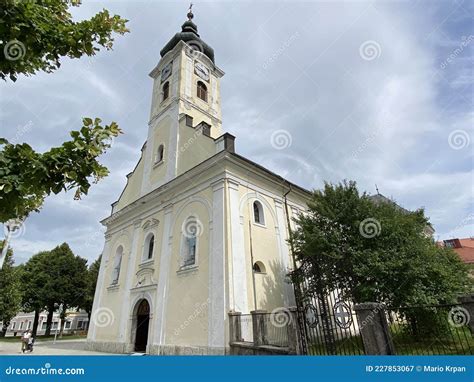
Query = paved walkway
x=62 y=347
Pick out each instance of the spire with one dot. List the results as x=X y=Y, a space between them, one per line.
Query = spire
x=190 y=12
x=188 y=25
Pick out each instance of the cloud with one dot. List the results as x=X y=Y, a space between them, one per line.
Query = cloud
x=357 y=85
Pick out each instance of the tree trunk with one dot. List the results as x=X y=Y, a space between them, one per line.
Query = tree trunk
x=36 y=322
x=6 y=243
x=49 y=320
x=4 y=329
x=89 y=314
x=61 y=328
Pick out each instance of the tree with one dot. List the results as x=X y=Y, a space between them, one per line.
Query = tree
x=28 y=177
x=66 y=283
x=36 y=34
x=373 y=252
x=34 y=277
x=92 y=275
x=54 y=279
x=10 y=293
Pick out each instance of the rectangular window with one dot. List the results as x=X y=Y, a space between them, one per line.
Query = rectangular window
x=67 y=325
x=29 y=325
x=43 y=326
x=13 y=325
x=189 y=121
x=55 y=325
x=190 y=258
x=21 y=325
x=80 y=324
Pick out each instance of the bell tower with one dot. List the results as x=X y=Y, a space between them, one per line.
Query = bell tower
x=186 y=94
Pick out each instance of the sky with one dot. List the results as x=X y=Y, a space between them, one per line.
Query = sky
x=379 y=92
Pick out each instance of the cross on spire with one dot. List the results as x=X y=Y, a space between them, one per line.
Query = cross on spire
x=190 y=12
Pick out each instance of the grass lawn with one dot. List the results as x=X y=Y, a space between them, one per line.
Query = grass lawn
x=457 y=341
x=347 y=346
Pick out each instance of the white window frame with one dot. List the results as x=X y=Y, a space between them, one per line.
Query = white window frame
x=117 y=264
x=261 y=210
x=157 y=155
x=146 y=244
x=183 y=247
x=261 y=265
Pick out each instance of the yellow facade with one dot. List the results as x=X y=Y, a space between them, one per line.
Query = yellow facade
x=194 y=201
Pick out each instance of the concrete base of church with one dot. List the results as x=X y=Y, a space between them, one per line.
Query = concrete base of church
x=124 y=348
x=186 y=350
x=108 y=347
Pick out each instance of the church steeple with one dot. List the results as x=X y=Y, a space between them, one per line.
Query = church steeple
x=185 y=107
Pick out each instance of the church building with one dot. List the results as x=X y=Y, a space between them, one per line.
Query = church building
x=199 y=230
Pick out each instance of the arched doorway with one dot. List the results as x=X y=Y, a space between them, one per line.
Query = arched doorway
x=143 y=321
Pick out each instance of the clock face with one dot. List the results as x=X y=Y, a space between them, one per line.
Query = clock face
x=201 y=71
x=166 y=72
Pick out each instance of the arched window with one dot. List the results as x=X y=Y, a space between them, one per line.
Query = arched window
x=166 y=90
x=143 y=309
x=160 y=154
x=149 y=247
x=258 y=213
x=202 y=91
x=191 y=231
x=258 y=267
x=117 y=264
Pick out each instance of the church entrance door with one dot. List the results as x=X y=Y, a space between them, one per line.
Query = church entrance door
x=143 y=321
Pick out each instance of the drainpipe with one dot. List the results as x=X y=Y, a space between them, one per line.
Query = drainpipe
x=290 y=236
x=296 y=286
x=253 y=272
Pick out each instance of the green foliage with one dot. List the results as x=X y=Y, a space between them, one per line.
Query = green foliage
x=36 y=34
x=10 y=294
x=34 y=275
x=27 y=177
x=92 y=275
x=52 y=278
x=373 y=251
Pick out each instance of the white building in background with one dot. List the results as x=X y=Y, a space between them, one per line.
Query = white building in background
x=198 y=230
x=75 y=322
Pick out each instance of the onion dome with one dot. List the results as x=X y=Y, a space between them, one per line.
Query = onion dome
x=189 y=34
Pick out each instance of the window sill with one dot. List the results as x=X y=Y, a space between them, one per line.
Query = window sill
x=187 y=269
x=147 y=262
x=113 y=287
x=260 y=273
x=259 y=225
x=157 y=164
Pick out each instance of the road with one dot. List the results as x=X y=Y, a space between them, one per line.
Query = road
x=62 y=347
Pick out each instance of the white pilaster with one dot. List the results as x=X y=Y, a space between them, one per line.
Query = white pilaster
x=217 y=288
x=173 y=149
x=188 y=73
x=161 y=299
x=100 y=289
x=238 y=283
x=131 y=264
